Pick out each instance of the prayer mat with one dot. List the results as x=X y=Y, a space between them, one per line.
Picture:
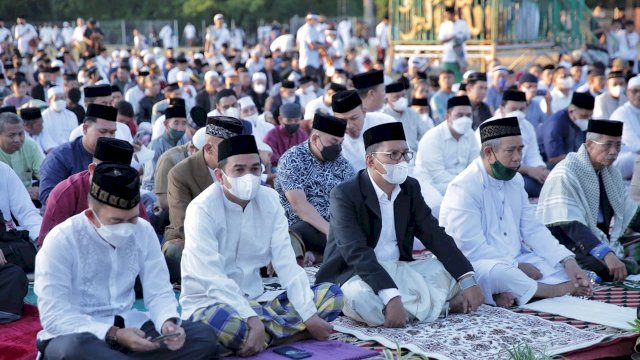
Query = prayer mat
x=597 y=312
x=486 y=334
x=331 y=349
x=18 y=339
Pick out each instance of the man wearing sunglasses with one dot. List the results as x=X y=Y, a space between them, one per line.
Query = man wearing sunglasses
x=374 y=218
x=585 y=204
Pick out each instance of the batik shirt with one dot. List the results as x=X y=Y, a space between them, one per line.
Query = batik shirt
x=300 y=169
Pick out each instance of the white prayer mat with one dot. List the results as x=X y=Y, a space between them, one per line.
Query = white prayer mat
x=488 y=333
x=586 y=310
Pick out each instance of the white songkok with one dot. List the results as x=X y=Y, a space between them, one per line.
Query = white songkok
x=54 y=91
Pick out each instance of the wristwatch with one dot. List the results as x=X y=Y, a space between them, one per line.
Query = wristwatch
x=111 y=337
x=468 y=282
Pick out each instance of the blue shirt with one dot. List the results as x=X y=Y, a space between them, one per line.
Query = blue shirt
x=63 y=161
x=438 y=105
x=535 y=115
x=560 y=135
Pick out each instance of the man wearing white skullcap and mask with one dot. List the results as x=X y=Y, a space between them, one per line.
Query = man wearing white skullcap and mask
x=258 y=90
x=188 y=91
x=629 y=114
x=249 y=112
x=58 y=122
x=206 y=98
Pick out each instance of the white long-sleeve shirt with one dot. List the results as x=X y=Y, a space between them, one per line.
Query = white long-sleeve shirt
x=56 y=127
x=225 y=247
x=630 y=116
x=493 y=223
x=605 y=105
x=14 y=199
x=133 y=96
x=412 y=123
x=440 y=157
x=82 y=282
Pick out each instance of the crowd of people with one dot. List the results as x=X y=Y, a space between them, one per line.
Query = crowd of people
x=133 y=171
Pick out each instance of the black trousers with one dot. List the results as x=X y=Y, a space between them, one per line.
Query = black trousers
x=200 y=343
x=313 y=239
x=13 y=288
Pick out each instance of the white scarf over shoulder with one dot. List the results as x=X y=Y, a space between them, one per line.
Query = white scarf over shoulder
x=572 y=193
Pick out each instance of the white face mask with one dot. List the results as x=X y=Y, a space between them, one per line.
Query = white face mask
x=58 y=105
x=615 y=91
x=461 y=125
x=259 y=88
x=244 y=187
x=233 y=112
x=583 y=124
x=519 y=114
x=400 y=104
x=117 y=234
x=253 y=118
x=395 y=173
x=289 y=100
x=567 y=83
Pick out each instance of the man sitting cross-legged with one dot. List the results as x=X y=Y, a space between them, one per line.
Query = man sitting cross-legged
x=232 y=229
x=84 y=278
x=487 y=211
x=374 y=218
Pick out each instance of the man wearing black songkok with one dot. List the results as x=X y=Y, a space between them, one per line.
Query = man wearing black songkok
x=85 y=274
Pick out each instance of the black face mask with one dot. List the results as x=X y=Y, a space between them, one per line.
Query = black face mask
x=330 y=152
x=291 y=128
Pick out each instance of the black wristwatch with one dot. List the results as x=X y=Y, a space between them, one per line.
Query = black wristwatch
x=111 y=337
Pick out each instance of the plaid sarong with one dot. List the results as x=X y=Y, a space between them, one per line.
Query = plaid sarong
x=279 y=318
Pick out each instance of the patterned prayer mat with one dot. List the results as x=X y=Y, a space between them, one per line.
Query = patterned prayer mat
x=487 y=334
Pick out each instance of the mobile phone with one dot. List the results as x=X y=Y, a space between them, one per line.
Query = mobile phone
x=291 y=352
x=165 y=336
x=541 y=92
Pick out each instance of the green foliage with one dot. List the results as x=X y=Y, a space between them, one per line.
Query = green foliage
x=388 y=354
x=526 y=352
x=243 y=12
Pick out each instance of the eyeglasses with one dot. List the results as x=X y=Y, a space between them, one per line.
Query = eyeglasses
x=607 y=146
x=397 y=155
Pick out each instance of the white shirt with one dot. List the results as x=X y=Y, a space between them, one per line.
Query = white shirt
x=316 y=105
x=440 y=157
x=387 y=247
x=306 y=97
x=558 y=101
x=447 y=29
x=78 y=33
x=260 y=127
x=412 y=123
x=225 y=247
x=14 y=199
x=218 y=36
x=23 y=33
x=56 y=127
x=166 y=34
x=305 y=37
x=67 y=34
x=133 y=96
x=382 y=33
x=628 y=45
x=82 y=282
x=353 y=149
x=630 y=116
x=493 y=223
x=189 y=31
x=605 y=105
x=122 y=133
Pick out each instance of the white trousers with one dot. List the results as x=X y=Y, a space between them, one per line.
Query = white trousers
x=425 y=288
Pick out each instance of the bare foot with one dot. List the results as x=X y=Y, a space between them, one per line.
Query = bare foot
x=504 y=300
x=456 y=304
x=304 y=335
x=581 y=291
